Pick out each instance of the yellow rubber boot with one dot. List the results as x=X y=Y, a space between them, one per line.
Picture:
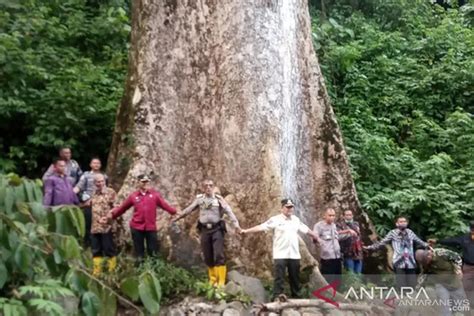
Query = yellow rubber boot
x=221 y=275
x=212 y=273
x=112 y=264
x=97 y=266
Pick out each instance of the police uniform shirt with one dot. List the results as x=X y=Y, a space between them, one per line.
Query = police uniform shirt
x=328 y=239
x=285 y=235
x=210 y=209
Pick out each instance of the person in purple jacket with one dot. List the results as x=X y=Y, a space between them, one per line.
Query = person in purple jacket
x=57 y=188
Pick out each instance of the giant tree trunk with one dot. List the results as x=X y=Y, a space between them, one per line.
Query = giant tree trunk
x=230 y=90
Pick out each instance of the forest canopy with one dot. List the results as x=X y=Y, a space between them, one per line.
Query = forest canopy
x=399 y=74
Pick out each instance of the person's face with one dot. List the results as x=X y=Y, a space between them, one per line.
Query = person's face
x=348 y=216
x=95 y=164
x=60 y=167
x=472 y=233
x=208 y=187
x=65 y=154
x=287 y=210
x=144 y=185
x=402 y=222
x=330 y=216
x=100 y=183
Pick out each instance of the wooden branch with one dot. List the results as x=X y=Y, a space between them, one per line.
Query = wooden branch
x=299 y=303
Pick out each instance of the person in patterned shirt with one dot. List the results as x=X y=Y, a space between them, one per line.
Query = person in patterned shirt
x=102 y=243
x=402 y=240
x=443 y=268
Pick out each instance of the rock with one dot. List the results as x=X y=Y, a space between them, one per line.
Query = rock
x=231 y=312
x=311 y=311
x=176 y=312
x=290 y=312
x=232 y=288
x=200 y=307
x=236 y=305
x=335 y=312
x=251 y=286
x=221 y=307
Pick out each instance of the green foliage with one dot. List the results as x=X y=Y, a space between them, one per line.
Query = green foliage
x=42 y=261
x=216 y=294
x=174 y=282
x=401 y=75
x=62 y=67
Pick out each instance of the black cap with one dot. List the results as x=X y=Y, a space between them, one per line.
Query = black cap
x=287 y=202
x=143 y=178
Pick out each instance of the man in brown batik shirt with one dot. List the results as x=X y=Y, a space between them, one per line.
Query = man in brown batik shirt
x=102 y=243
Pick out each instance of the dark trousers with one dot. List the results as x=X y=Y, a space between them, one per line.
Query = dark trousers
x=88 y=219
x=139 y=237
x=331 y=269
x=405 y=278
x=279 y=267
x=102 y=245
x=212 y=245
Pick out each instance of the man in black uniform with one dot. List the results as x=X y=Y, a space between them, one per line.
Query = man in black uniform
x=466 y=244
x=212 y=228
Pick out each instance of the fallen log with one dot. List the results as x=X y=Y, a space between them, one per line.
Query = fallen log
x=299 y=303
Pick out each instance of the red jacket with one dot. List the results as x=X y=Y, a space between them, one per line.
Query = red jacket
x=145 y=204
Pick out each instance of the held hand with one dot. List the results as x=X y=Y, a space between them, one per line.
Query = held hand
x=110 y=215
x=431 y=241
x=238 y=230
x=242 y=231
x=103 y=220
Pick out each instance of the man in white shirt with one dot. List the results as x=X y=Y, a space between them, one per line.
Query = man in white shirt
x=286 y=252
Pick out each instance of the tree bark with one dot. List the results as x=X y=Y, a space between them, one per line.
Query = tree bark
x=230 y=90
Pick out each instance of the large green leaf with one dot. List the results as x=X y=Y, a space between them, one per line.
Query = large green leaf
x=90 y=303
x=76 y=216
x=3 y=274
x=108 y=301
x=129 y=287
x=29 y=190
x=39 y=212
x=150 y=292
x=23 y=258
x=70 y=248
x=9 y=199
x=77 y=281
x=63 y=223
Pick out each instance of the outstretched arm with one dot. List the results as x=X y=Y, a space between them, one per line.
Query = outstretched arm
x=270 y=224
x=118 y=211
x=188 y=210
x=226 y=207
x=384 y=241
x=161 y=202
x=417 y=240
x=255 y=229
x=453 y=241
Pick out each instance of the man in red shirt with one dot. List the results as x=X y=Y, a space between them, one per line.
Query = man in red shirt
x=143 y=223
